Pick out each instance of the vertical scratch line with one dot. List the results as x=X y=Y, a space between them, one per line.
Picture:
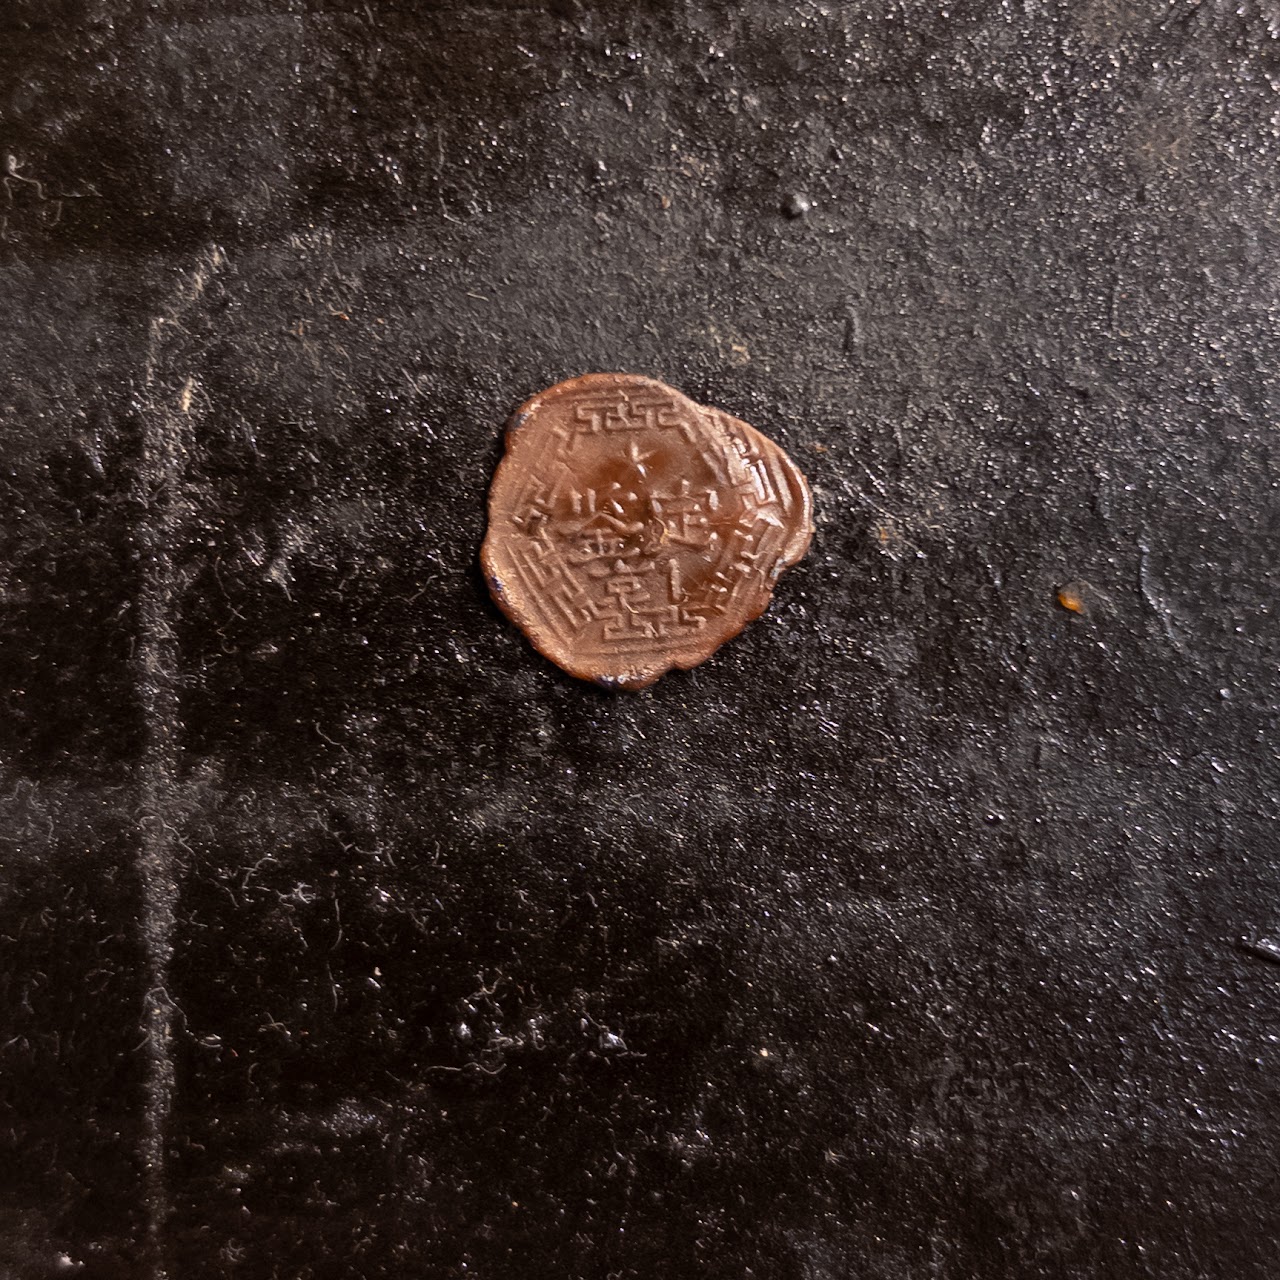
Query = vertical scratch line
x=165 y=425
x=156 y=659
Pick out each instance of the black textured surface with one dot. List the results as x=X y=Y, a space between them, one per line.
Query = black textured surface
x=930 y=929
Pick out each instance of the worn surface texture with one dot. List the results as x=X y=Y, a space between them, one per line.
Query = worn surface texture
x=932 y=929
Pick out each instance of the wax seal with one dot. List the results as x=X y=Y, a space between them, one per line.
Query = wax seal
x=632 y=531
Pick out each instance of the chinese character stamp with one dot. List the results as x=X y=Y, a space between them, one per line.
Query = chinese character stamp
x=632 y=531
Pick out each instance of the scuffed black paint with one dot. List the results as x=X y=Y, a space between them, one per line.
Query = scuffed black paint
x=922 y=931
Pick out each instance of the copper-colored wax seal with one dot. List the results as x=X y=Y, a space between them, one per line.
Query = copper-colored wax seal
x=632 y=531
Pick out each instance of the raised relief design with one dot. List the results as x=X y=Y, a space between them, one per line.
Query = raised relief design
x=632 y=531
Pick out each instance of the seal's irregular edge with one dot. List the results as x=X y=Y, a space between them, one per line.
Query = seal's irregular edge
x=641 y=677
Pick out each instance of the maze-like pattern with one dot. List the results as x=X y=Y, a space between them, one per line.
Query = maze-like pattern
x=629 y=570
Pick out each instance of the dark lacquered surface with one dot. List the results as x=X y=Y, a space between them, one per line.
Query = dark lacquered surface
x=928 y=930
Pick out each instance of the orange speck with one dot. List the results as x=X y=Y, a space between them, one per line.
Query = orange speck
x=1069 y=598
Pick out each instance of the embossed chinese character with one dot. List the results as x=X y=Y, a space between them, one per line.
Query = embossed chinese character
x=632 y=531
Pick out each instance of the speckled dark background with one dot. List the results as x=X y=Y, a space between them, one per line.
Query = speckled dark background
x=929 y=930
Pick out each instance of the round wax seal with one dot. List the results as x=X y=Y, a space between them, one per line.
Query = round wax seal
x=632 y=531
